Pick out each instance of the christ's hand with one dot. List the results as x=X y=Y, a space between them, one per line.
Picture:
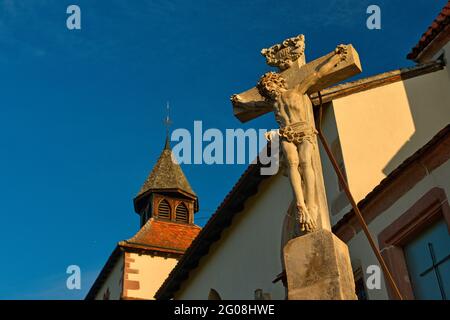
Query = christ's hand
x=271 y=134
x=235 y=98
x=341 y=51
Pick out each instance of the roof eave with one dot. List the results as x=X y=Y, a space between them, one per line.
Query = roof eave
x=104 y=273
x=432 y=48
x=436 y=33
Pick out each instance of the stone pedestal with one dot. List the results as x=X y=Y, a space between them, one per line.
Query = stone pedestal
x=318 y=268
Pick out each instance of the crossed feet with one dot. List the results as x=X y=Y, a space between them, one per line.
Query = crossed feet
x=304 y=219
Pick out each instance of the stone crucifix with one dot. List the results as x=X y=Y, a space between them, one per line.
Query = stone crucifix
x=286 y=94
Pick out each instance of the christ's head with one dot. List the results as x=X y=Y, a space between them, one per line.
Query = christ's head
x=271 y=85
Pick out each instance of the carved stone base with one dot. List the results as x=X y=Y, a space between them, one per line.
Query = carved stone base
x=318 y=268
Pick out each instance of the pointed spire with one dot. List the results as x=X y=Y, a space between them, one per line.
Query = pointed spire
x=167 y=123
x=167 y=173
x=167 y=145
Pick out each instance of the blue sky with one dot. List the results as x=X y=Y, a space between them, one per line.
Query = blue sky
x=81 y=111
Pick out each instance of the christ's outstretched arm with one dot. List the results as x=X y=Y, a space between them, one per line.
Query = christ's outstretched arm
x=339 y=55
x=249 y=105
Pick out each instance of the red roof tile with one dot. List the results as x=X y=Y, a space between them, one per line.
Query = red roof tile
x=433 y=31
x=164 y=236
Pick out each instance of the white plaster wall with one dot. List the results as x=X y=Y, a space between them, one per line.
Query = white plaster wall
x=331 y=182
x=381 y=127
x=247 y=257
x=113 y=282
x=153 y=270
x=359 y=247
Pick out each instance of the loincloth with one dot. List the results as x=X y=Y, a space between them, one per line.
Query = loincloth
x=298 y=132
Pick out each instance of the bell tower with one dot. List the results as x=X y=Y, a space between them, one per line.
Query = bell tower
x=166 y=195
x=166 y=205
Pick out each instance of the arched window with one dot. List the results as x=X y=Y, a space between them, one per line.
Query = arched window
x=182 y=213
x=164 y=210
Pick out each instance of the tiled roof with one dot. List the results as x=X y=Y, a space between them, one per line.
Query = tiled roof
x=166 y=174
x=432 y=32
x=163 y=236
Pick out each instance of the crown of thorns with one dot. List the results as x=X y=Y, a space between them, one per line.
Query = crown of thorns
x=271 y=77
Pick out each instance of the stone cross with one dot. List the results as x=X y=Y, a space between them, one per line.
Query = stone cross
x=287 y=95
x=316 y=262
x=253 y=104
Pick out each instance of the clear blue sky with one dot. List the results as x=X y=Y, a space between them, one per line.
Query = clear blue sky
x=81 y=111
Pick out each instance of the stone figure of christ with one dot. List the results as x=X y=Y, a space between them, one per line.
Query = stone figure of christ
x=296 y=132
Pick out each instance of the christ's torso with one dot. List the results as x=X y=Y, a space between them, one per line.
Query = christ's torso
x=291 y=107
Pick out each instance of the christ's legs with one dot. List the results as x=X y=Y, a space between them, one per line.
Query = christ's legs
x=305 y=220
x=305 y=155
x=305 y=152
x=291 y=154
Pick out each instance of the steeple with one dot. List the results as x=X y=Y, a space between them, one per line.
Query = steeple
x=167 y=175
x=166 y=204
x=166 y=193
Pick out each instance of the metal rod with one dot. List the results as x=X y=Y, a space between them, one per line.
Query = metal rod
x=358 y=214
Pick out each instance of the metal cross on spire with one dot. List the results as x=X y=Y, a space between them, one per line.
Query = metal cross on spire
x=167 y=123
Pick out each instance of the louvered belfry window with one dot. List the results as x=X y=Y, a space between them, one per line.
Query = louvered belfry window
x=164 y=210
x=182 y=213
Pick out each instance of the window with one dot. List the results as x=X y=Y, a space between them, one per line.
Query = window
x=428 y=261
x=164 y=210
x=182 y=213
x=416 y=248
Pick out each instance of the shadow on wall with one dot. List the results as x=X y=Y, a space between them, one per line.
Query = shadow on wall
x=429 y=102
